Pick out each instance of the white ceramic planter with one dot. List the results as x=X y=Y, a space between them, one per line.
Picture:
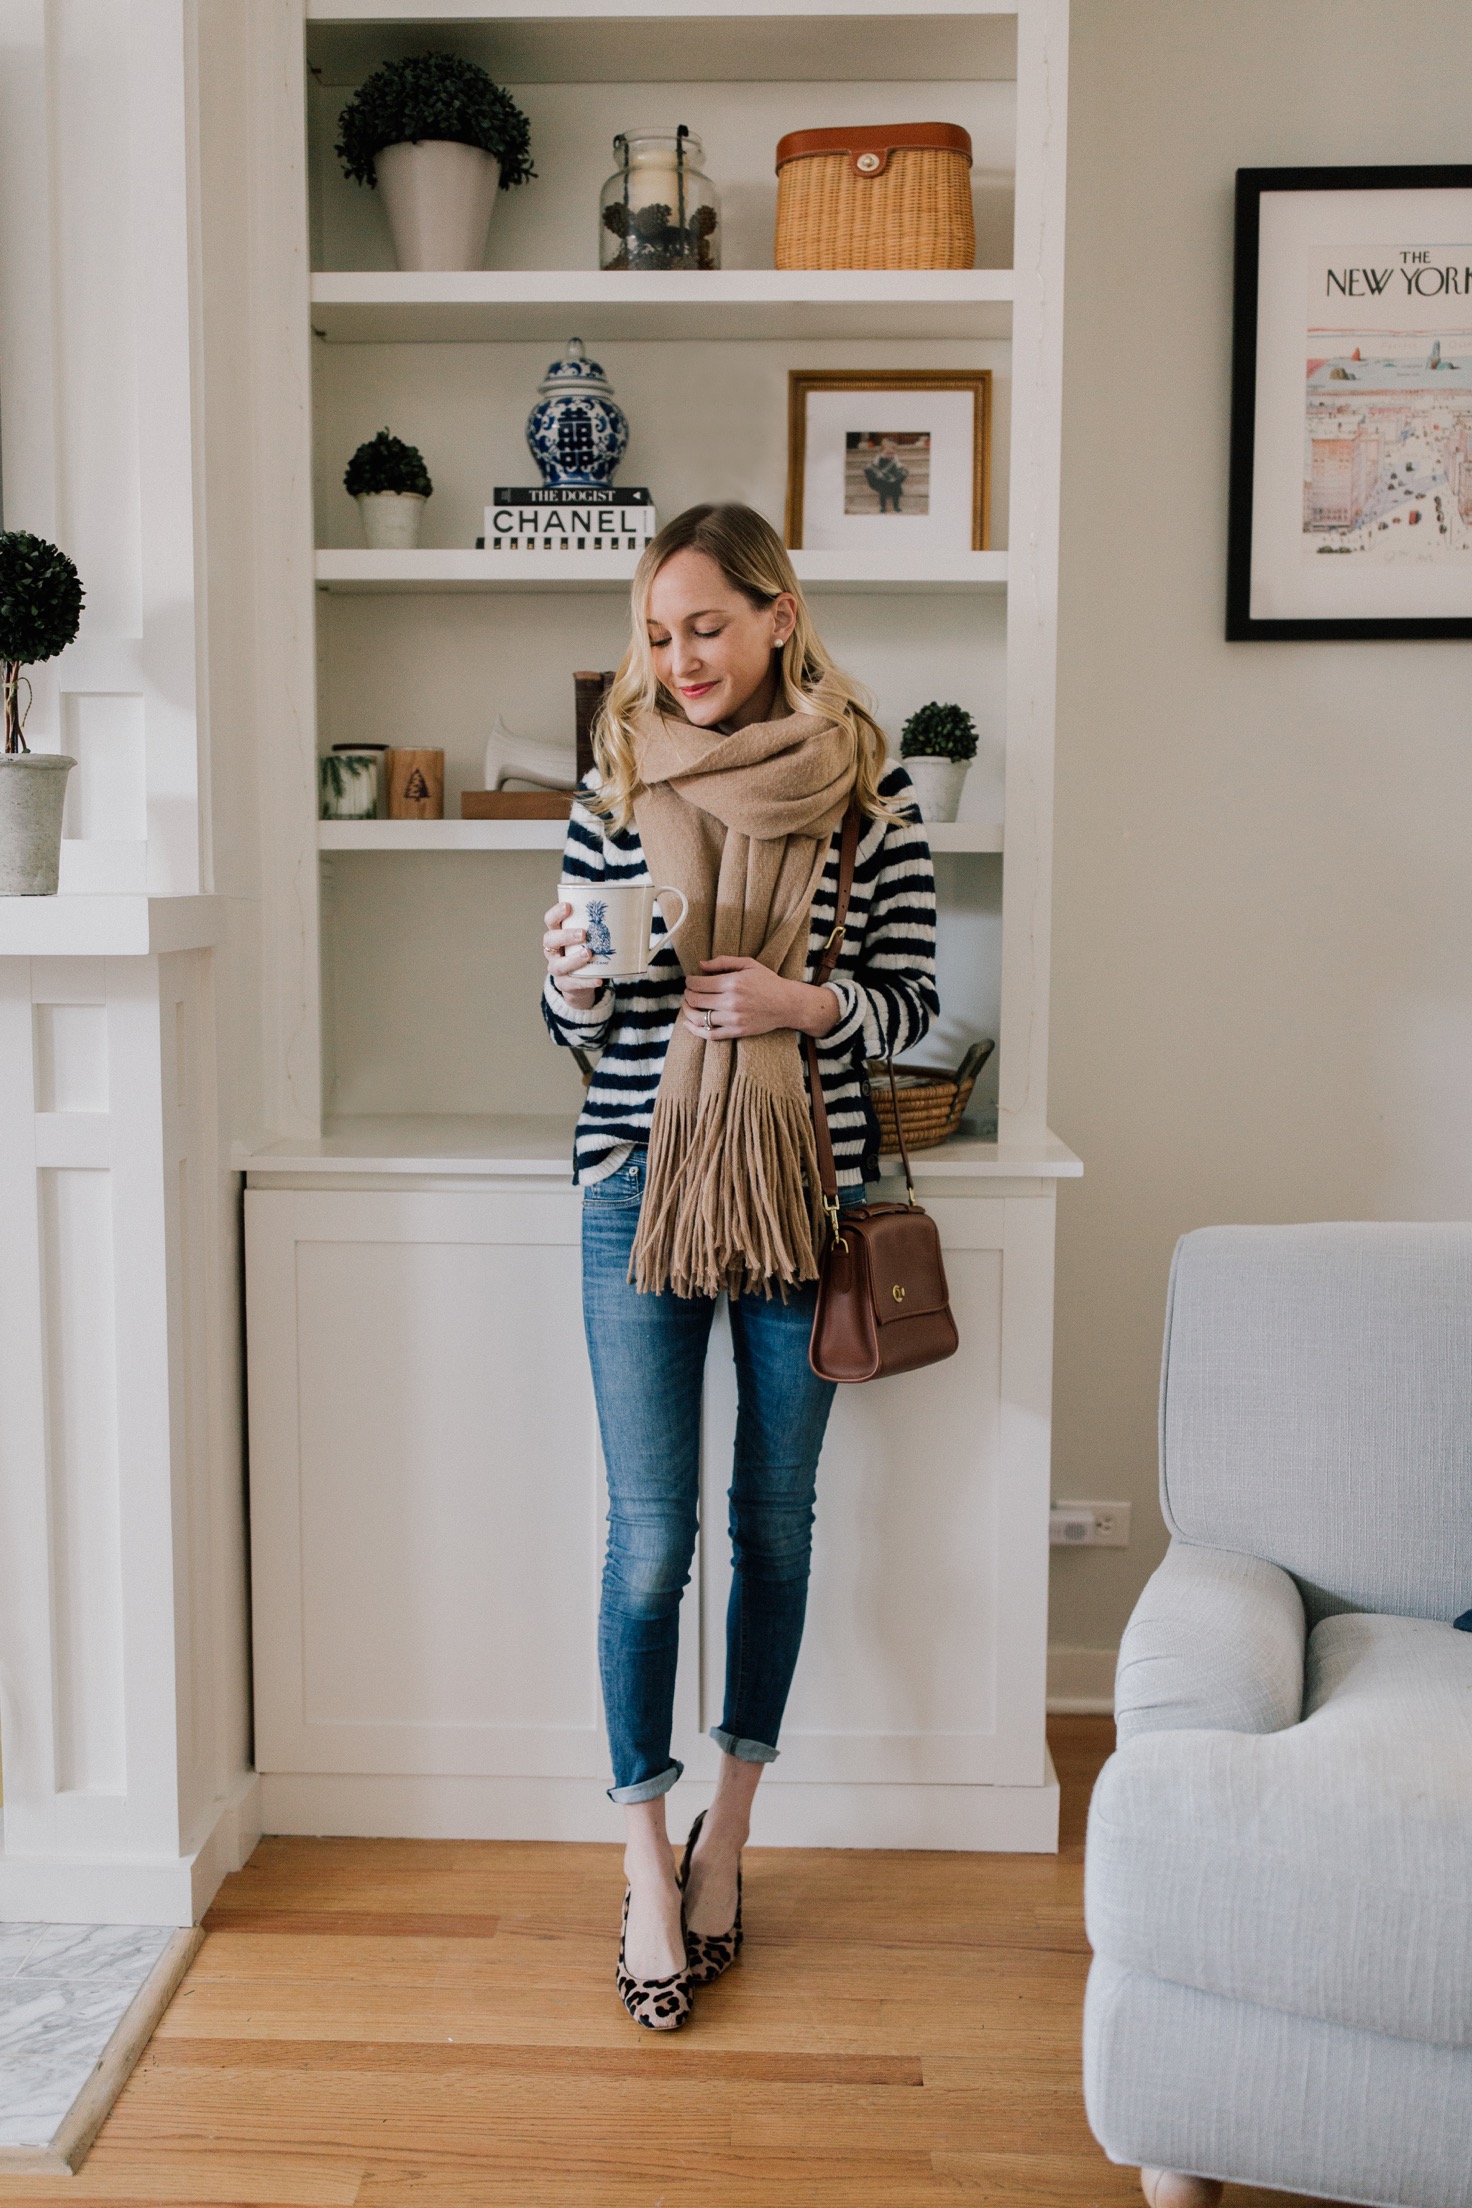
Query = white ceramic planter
x=937 y=785
x=439 y=198
x=32 y=794
x=390 y=519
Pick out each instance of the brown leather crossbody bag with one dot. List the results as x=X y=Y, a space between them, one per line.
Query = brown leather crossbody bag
x=883 y=1305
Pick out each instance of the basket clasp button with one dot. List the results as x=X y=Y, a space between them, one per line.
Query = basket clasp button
x=868 y=163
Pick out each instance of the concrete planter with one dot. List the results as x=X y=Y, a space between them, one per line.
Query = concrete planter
x=439 y=198
x=937 y=785
x=32 y=794
x=391 y=519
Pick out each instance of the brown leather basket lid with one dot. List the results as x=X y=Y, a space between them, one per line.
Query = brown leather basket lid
x=869 y=148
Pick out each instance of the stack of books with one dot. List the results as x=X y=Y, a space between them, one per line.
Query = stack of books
x=527 y=523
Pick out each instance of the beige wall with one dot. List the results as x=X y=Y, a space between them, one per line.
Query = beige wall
x=1262 y=999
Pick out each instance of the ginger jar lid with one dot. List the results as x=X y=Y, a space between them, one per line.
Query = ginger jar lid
x=575 y=372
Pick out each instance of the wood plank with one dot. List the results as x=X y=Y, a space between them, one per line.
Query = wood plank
x=899 y=2185
x=355 y=1924
x=165 y=2177
x=1015 y=2112
x=680 y=2060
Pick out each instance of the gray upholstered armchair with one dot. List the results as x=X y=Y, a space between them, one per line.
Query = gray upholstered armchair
x=1279 y=1865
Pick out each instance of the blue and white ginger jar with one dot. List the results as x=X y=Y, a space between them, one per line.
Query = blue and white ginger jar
x=576 y=431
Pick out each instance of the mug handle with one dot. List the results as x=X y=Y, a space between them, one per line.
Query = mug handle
x=669 y=890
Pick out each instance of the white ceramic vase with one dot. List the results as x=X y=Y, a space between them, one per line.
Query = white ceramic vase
x=32 y=794
x=391 y=519
x=937 y=785
x=439 y=197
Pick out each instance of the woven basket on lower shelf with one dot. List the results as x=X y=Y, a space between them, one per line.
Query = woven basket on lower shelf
x=931 y=1104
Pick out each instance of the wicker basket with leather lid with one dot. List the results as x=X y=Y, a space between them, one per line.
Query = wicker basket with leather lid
x=887 y=195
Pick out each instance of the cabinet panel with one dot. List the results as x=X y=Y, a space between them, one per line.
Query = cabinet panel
x=426 y=1498
x=427 y=1508
x=915 y=1663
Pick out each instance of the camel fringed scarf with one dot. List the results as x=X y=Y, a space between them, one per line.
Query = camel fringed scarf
x=741 y=824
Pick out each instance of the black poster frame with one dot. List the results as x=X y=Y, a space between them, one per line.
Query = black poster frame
x=1242 y=627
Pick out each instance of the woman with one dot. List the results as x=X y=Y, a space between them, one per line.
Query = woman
x=729 y=748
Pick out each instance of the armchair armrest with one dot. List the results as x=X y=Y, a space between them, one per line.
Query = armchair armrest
x=1215 y=1643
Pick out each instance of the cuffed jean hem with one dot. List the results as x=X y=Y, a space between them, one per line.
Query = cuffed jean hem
x=649 y=1790
x=745 y=1751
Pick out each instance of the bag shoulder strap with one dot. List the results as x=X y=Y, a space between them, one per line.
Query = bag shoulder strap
x=848 y=849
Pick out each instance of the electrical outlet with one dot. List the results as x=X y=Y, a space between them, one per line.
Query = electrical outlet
x=1089 y=1525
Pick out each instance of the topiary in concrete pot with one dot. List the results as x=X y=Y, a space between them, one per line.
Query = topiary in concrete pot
x=390 y=483
x=938 y=745
x=40 y=608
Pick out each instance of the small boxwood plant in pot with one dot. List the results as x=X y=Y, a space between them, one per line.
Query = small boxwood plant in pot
x=390 y=483
x=439 y=138
x=937 y=745
x=40 y=610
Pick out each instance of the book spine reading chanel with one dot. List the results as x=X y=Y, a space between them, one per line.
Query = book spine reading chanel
x=575 y=519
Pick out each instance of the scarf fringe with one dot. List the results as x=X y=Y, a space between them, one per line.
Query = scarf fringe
x=741 y=1209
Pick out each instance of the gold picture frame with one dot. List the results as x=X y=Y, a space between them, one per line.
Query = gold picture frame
x=803 y=382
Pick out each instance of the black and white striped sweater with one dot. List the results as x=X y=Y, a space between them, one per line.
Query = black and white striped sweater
x=884 y=981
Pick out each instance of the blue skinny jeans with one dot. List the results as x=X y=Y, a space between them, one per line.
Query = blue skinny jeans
x=648 y=1359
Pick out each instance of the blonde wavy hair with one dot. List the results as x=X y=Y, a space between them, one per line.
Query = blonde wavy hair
x=753 y=559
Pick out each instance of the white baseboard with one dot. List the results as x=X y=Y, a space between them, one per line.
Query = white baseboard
x=69 y=1889
x=1010 y=1819
x=229 y=1843
x=1081 y=1681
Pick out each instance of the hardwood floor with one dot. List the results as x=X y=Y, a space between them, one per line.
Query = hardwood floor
x=407 y=2024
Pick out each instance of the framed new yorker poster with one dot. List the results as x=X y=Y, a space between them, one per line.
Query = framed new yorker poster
x=1351 y=469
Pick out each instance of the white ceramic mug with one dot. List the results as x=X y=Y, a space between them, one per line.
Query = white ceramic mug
x=616 y=919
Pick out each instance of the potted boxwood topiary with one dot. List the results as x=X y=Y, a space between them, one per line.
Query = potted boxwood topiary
x=937 y=745
x=390 y=482
x=40 y=608
x=439 y=137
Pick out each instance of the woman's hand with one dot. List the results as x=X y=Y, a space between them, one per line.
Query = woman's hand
x=731 y=997
x=562 y=947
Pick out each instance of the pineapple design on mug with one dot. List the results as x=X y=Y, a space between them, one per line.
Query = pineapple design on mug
x=597 y=934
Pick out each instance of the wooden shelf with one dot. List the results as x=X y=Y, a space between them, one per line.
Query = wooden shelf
x=547 y=835
x=444 y=570
x=441 y=835
x=122 y=925
x=393 y=306
x=541 y=1144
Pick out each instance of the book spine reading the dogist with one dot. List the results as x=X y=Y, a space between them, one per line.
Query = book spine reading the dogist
x=571 y=518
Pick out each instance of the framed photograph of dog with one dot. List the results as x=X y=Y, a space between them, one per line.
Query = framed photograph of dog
x=893 y=457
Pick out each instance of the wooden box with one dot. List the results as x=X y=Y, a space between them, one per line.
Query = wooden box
x=515 y=804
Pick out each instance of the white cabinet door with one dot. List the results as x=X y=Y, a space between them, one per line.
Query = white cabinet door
x=425 y=1485
x=924 y=1655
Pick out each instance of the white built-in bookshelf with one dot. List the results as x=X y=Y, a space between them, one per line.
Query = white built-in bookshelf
x=417 y=1109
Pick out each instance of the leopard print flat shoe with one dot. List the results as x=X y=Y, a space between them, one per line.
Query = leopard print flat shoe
x=659 y=2004
x=710 y=1953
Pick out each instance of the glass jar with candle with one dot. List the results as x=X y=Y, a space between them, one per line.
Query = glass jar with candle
x=658 y=210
